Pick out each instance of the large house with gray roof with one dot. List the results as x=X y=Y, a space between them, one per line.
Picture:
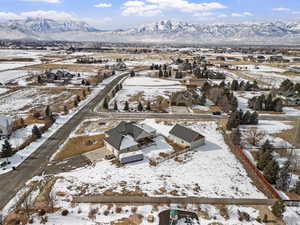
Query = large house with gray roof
x=186 y=137
x=125 y=140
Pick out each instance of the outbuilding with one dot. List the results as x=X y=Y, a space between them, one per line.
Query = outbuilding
x=186 y=137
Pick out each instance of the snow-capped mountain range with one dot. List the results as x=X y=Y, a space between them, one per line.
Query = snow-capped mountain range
x=162 y=31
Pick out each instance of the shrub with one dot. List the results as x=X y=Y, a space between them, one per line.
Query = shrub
x=65 y=212
x=118 y=210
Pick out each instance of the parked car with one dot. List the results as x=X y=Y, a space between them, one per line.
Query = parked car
x=217 y=113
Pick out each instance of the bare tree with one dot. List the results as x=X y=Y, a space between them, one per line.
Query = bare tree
x=254 y=135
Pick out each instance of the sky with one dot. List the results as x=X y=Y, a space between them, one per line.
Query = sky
x=115 y=14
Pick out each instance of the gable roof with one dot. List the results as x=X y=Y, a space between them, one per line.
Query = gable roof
x=123 y=132
x=185 y=134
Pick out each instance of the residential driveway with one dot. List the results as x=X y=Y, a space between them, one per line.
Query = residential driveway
x=97 y=155
x=35 y=165
x=180 y=109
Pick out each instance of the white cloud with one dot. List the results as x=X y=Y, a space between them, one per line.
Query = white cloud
x=296 y=12
x=244 y=14
x=48 y=1
x=155 y=7
x=103 y=5
x=203 y=14
x=139 y=8
x=281 y=9
x=186 y=6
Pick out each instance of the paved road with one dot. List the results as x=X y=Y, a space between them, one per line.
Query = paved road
x=12 y=182
x=133 y=115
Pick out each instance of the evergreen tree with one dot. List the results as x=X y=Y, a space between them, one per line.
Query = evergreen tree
x=234 y=85
x=284 y=177
x=6 y=149
x=78 y=98
x=48 y=112
x=246 y=118
x=36 y=132
x=264 y=159
x=254 y=118
x=39 y=79
x=202 y=100
x=148 y=108
x=105 y=104
x=160 y=73
x=271 y=171
x=132 y=73
x=278 y=104
x=115 y=106
x=66 y=110
x=278 y=209
x=269 y=103
x=126 y=107
x=140 y=107
x=206 y=86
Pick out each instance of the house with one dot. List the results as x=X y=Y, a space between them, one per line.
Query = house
x=5 y=126
x=185 y=98
x=120 y=66
x=129 y=137
x=186 y=137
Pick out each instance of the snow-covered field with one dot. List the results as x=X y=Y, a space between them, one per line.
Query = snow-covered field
x=20 y=156
x=80 y=214
x=212 y=167
x=18 y=137
x=147 y=88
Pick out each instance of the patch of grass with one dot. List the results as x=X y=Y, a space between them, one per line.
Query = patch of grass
x=80 y=145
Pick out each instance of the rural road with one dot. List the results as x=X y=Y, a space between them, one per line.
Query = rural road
x=187 y=116
x=13 y=181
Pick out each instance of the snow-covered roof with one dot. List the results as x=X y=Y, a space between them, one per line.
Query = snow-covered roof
x=146 y=127
x=5 y=121
x=129 y=154
x=127 y=142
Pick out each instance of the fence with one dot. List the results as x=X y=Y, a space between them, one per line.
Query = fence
x=170 y=200
x=252 y=171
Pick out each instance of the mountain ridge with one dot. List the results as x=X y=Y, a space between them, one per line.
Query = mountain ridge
x=162 y=31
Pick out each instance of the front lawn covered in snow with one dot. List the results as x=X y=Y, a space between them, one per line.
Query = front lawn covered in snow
x=210 y=171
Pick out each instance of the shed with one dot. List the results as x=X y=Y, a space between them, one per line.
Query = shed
x=186 y=137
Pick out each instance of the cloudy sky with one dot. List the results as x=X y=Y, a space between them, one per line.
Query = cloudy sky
x=114 y=14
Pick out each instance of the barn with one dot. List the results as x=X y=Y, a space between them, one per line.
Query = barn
x=186 y=137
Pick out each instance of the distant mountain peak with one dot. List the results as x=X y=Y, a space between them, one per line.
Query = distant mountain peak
x=161 y=31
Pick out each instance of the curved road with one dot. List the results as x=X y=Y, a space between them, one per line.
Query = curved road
x=13 y=181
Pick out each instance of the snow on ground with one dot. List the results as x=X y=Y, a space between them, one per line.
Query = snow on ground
x=10 y=75
x=79 y=214
x=145 y=62
x=148 y=81
x=292 y=215
x=19 y=136
x=22 y=155
x=3 y=90
x=147 y=88
x=207 y=168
